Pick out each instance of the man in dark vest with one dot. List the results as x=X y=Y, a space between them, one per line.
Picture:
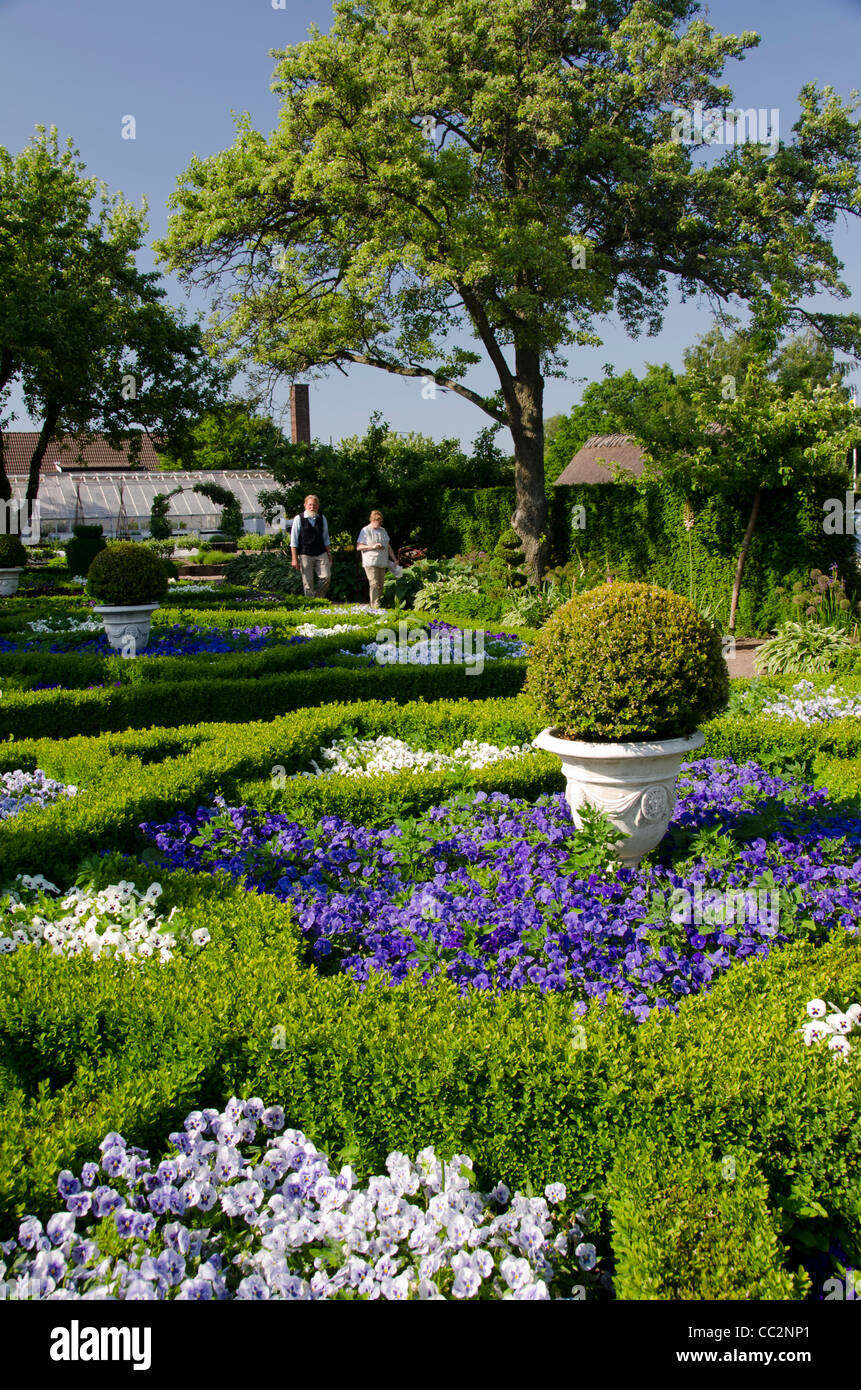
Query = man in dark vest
x=312 y=553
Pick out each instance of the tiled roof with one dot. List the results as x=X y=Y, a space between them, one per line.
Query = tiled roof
x=18 y=446
x=611 y=448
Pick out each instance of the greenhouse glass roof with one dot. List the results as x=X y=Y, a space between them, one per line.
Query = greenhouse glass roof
x=88 y=496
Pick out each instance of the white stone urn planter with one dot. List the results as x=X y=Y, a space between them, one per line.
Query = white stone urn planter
x=129 y=621
x=9 y=580
x=634 y=784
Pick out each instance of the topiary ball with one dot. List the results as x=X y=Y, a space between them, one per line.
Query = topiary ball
x=127 y=574
x=627 y=663
x=87 y=542
x=13 y=554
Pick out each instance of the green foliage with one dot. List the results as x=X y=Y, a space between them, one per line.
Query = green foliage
x=636 y=534
x=87 y=1047
x=803 y=649
x=823 y=600
x=231 y=435
x=273 y=572
x=230 y=522
x=13 y=554
x=159 y=523
x=127 y=573
x=87 y=542
x=444 y=579
x=627 y=662
x=171 y=703
x=692 y=1224
x=162 y=548
x=508 y=559
x=460 y=521
x=532 y=606
x=84 y=334
x=408 y=477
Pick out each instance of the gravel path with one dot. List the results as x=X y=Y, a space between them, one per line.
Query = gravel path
x=745 y=650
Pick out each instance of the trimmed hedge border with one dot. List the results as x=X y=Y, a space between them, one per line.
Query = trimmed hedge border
x=125 y=778
x=86 y=1047
x=172 y=704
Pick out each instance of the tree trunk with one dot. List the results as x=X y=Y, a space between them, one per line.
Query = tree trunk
x=742 y=557
x=526 y=421
x=46 y=434
x=6 y=373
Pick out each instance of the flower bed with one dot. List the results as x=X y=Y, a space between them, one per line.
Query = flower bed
x=803 y=703
x=18 y=790
x=356 y=757
x=505 y=906
x=229 y=1214
x=442 y=643
x=480 y=970
x=119 y=921
x=176 y=640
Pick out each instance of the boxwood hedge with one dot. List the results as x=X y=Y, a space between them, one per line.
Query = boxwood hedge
x=630 y=1116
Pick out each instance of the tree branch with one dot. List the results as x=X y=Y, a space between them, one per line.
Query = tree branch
x=363 y=360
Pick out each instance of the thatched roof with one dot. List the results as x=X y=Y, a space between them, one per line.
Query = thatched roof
x=590 y=463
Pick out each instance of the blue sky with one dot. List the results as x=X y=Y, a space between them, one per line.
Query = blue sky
x=180 y=67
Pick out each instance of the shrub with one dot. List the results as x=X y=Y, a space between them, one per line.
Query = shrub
x=628 y=661
x=162 y=548
x=273 y=572
x=127 y=573
x=803 y=649
x=64 y=713
x=12 y=552
x=87 y=542
x=159 y=519
x=508 y=559
x=691 y=1224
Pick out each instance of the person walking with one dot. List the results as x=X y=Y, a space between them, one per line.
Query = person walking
x=376 y=551
x=311 y=550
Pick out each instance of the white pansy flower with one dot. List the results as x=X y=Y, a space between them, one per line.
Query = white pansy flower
x=839 y=1023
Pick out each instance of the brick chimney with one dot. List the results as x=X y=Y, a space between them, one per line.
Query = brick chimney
x=300 y=415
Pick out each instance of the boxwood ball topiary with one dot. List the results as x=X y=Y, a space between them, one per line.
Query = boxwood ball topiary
x=127 y=574
x=13 y=555
x=627 y=663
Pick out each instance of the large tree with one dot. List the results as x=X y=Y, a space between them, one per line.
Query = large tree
x=460 y=183
x=83 y=332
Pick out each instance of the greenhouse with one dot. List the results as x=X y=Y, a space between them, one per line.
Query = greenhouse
x=120 y=502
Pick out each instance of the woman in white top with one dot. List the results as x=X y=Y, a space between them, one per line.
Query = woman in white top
x=376 y=551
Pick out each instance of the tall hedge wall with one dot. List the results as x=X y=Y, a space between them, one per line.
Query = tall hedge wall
x=459 y=520
x=638 y=534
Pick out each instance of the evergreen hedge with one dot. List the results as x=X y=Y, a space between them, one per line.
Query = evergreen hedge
x=126 y=778
x=641 y=1116
x=637 y=533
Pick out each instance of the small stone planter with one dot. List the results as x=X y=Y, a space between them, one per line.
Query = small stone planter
x=129 y=622
x=634 y=784
x=9 y=580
